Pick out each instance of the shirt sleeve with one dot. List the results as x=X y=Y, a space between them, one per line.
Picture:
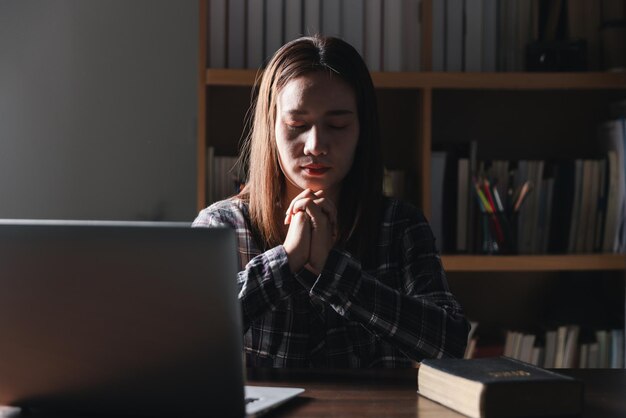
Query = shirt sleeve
x=423 y=319
x=266 y=279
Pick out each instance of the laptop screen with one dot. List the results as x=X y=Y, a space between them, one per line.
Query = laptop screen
x=120 y=317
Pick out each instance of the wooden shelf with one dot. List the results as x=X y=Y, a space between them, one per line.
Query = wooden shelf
x=231 y=77
x=463 y=81
x=501 y=81
x=529 y=263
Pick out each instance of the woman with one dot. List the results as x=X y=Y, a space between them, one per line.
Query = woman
x=332 y=273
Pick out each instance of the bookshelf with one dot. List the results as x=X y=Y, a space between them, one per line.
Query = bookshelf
x=550 y=113
x=427 y=83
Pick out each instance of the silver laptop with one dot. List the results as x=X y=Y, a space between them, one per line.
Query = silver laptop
x=125 y=318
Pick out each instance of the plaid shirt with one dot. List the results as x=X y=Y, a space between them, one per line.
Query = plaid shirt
x=399 y=311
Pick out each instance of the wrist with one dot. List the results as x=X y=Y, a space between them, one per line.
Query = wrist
x=295 y=263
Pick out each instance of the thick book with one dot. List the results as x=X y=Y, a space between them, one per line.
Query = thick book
x=255 y=54
x=373 y=35
x=393 y=46
x=331 y=17
x=236 y=33
x=453 y=60
x=498 y=387
x=217 y=34
x=352 y=19
x=439 y=39
x=473 y=52
x=293 y=20
x=273 y=26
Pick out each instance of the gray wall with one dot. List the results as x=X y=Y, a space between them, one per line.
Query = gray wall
x=98 y=106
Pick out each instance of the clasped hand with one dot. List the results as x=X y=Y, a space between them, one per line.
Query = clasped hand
x=312 y=220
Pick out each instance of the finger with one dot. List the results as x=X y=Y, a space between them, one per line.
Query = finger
x=307 y=205
x=297 y=206
x=328 y=208
x=290 y=211
x=323 y=215
x=319 y=219
x=304 y=193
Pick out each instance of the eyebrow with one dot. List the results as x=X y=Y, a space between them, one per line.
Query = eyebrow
x=336 y=112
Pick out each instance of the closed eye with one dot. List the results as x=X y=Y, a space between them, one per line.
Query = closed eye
x=296 y=128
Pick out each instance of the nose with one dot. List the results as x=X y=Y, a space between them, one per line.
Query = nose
x=315 y=143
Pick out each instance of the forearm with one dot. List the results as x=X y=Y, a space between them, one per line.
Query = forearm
x=264 y=282
x=428 y=324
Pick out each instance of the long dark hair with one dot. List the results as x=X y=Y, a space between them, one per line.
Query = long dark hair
x=361 y=192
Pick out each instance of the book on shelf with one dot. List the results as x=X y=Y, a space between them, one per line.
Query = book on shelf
x=489 y=35
x=563 y=202
x=591 y=22
x=312 y=17
x=604 y=346
x=411 y=35
x=575 y=19
x=613 y=34
x=217 y=33
x=373 y=35
x=254 y=53
x=224 y=176
x=293 y=20
x=438 y=36
x=437 y=179
x=565 y=346
x=453 y=30
x=273 y=26
x=470 y=349
x=236 y=33
x=393 y=47
x=473 y=207
x=463 y=193
x=616 y=349
x=612 y=134
x=331 y=17
x=498 y=386
x=473 y=49
x=525 y=14
x=600 y=221
x=352 y=25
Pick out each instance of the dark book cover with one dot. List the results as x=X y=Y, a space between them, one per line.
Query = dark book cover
x=498 y=387
x=562 y=205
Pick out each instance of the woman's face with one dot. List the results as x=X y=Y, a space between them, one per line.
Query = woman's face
x=317 y=129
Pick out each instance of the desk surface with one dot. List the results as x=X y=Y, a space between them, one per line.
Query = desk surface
x=392 y=393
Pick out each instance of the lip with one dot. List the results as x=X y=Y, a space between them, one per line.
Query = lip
x=315 y=169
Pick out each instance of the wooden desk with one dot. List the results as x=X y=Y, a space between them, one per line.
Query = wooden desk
x=392 y=393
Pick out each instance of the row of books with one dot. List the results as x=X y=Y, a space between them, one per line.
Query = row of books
x=245 y=33
x=563 y=347
x=532 y=206
x=467 y=35
x=500 y=35
x=476 y=35
x=224 y=179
